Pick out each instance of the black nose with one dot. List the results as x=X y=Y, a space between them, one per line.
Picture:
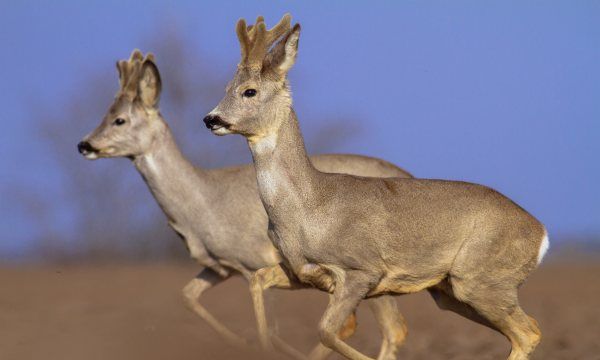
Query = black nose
x=84 y=147
x=211 y=120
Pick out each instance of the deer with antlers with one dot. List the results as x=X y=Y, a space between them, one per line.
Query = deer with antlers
x=217 y=212
x=356 y=237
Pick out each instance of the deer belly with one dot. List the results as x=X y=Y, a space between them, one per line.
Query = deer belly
x=405 y=283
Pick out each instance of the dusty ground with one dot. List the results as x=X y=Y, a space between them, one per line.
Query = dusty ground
x=135 y=312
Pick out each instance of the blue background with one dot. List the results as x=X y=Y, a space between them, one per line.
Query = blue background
x=504 y=93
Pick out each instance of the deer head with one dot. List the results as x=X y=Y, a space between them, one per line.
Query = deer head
x=260 y=85
x=133 y=120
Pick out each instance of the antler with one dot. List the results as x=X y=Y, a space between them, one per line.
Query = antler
x=130 y=71
x=255 y=40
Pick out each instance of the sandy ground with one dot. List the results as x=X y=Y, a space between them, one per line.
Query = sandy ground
x=136 y=312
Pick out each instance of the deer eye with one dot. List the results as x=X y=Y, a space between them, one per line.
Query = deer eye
x=249 y=93
x=119 y=121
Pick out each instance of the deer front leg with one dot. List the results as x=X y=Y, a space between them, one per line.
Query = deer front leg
x=321 y=352
x=277 y=277
x=261 y=280
x=350 y=289
x=205 y=280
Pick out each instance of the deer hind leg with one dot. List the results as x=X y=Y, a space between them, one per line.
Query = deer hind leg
x=445 y=300
x=391 y=324
x=500 y=307
x=192 y=292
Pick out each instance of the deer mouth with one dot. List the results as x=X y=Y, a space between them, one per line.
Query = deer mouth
x=220 y=130
x=87 y=150
x=92 y=153
x=216 y=124
x=215 y=127
x=219 y=127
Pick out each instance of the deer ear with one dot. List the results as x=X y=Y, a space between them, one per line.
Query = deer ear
x=283 y=55
x=150 y=85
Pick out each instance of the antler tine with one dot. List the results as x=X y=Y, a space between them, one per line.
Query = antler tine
x=123 y=68
x=259 y=45
x=243 y=37
x=276 y=31
x=134 y=66
x=255 y=40
x=136 y=54
x=251 y=30
x=129 y=71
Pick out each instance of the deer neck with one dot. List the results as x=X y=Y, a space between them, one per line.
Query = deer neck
x=171 y=178
x=285 y=175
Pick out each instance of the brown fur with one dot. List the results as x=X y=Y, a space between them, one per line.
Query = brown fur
x=361 y=237
x=216 y=212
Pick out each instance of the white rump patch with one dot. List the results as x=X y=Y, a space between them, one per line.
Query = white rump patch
x=543 y=247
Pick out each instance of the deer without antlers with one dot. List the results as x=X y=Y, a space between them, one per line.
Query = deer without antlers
x=358 y=237
x=217 y=212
